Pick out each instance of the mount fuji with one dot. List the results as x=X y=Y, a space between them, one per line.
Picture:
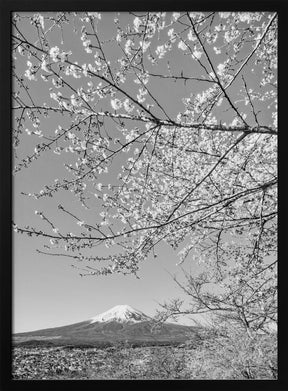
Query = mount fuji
x=120 y=323
x=123 y=314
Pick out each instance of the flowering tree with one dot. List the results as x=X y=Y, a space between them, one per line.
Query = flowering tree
x=167 y=126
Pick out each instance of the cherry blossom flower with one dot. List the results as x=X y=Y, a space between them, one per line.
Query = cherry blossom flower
x=21 y=50
x=191 y=36
x=176 y=15
x=160 y=51
x=44 y=66
x=38 y=20
x=128 y=47
x=224 y=15
x=217 y=50
x=197 y=53
x=30 y=75
x=221 y=69
x=171 y=34
x=182 y=45
x=128 y=106
x=96 y=15
x=144 y=45
x=137 y=23
x=54 y=52
x=116 y=104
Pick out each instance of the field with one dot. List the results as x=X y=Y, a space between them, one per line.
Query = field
x=208 y=360
x=118 y=362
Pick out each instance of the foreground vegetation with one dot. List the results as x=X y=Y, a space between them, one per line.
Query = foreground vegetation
x=214 y=357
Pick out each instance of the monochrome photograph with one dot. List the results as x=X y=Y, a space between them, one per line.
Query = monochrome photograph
x=145 y=174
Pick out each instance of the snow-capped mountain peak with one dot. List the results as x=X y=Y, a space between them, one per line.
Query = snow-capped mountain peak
x=121 y=313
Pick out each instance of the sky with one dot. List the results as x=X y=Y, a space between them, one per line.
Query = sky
x=47 y=290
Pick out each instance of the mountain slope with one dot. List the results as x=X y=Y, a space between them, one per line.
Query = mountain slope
x=120 y=323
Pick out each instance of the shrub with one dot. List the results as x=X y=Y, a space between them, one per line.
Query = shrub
x=236 y=355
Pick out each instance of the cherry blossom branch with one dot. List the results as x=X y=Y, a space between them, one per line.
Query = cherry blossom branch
x=239 y=139
x=246 y=60
x=215 y=73
x=224 y=202
x=186 y=180
x=193 y=126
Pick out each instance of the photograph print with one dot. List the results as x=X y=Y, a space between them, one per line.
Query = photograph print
x=144 y=154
